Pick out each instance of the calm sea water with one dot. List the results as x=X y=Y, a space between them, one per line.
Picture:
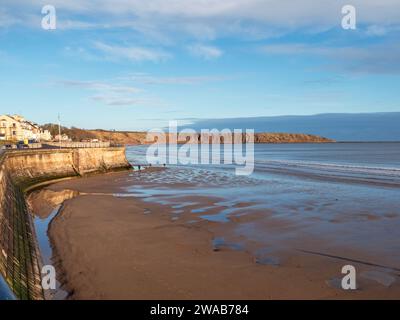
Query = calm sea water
x=352 y=162
x=344 y=194
x=386 y=155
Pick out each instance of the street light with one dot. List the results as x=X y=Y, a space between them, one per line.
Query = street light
x=59 y=130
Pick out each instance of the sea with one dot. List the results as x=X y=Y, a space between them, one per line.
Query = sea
x=344 y=197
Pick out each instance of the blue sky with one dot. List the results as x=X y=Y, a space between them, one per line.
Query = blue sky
x=137 y=64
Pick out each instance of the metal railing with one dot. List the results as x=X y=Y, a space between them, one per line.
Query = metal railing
x=78 y=144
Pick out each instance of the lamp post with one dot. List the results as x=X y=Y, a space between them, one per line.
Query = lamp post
x=59 y=130
x=111 y=131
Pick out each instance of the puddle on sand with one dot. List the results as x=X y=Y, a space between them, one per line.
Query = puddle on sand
x=220 y=243
x=184 y=205
x=382 y=278
x=335 y=283
x=41 y=228
x=129 y=195
x=270 y=261
x=221 y=216
x=203 y=209
x=264 y=257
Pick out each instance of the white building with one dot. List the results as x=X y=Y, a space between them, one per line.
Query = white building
x=17 y=128
x=63 y=137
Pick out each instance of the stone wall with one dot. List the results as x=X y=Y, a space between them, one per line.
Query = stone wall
x=19 y=255
x=19 y=258
x=87 y=160
x=30 y=167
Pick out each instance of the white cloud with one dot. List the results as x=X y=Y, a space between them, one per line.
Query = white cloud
x=205 y=52
x=81 y=53
x=136 y=54
x=291 y=48
x=7 y=19
x=182 y=80
x=107 y=93
x=121 y=101
x=210 y=19
x=379 y=59
x=100 y=86
x=120 y=91
x=278 y=11
x=375 y=30
x=76 y=24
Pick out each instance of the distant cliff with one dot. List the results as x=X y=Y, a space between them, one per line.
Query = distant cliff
x=134 y=137
x=140 y=137
x=289 y=138
x=381 y=126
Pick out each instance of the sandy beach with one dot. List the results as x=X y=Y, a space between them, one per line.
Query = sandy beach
x=109 y=244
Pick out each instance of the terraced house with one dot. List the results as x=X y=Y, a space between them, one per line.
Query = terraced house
x=17 y=128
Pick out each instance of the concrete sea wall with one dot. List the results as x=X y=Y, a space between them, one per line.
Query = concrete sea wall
x=20 y=261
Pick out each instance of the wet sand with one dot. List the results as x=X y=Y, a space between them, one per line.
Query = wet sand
x=122 y=247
